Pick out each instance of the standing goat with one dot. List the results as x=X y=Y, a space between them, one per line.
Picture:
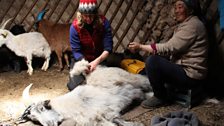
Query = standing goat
x=108 y=91
x=57 y=36
x=9 y=61
x=27 y=45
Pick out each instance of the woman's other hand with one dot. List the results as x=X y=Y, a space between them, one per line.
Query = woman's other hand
x=134 y=46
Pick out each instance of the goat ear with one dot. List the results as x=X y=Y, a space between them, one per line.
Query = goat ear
x=47 y=104
x=4 y=34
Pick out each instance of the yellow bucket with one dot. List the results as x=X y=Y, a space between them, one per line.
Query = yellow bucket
x=132 y=65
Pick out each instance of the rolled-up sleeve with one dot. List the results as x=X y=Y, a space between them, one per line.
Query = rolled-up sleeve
x=108 y=40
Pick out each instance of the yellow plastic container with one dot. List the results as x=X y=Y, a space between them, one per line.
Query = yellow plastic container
x=132 y=65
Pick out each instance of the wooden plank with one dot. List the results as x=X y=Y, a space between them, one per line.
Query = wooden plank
x=7 y=10
x=32 y=6
x=115 y=12
x=107 y=7
x=20 y=8
x=139 y=27
x=122 y=18
x=31 y=25
x=140 y=5
x=53 y=9
x=99 y=3
x=73 y=12
x=63 y=10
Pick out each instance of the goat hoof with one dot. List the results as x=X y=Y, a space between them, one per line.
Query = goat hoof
x=30 y=73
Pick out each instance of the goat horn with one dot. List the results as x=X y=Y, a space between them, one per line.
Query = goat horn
x=4 y=24
x=26 y=94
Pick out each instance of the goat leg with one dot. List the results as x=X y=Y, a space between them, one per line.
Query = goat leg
x=29 y=65
x=66 y=60
x=59 y=55
x=46 y=64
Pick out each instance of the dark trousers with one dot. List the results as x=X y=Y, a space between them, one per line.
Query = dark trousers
x=163 y=73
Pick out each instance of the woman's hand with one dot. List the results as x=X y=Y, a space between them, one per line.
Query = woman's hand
x=93 y=65
x=97 y=61
x=134 y=46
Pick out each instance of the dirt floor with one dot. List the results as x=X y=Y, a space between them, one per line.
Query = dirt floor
x=52 y=83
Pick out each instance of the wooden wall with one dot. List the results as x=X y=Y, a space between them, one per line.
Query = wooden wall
x=131 y=20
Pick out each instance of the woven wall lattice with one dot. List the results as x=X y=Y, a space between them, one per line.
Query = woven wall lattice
x=131 y=20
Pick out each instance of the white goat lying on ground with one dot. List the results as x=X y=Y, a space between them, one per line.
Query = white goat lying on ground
x=108 y=91
x=27 y=45
x=109 y=76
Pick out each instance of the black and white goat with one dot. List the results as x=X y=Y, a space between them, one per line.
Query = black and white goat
x=27 y=45
x=99 y=102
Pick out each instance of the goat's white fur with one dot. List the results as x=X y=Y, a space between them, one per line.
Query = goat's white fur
x=79 y=68
x=87 y=104
x=27 y=45
x=97 y=103
x=108 y=76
